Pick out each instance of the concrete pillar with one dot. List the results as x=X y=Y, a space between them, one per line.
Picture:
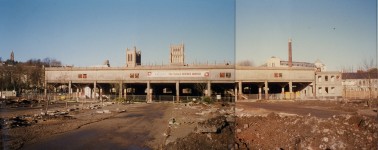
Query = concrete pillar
x=236 y=93
x=282 y=92
x=94 y=90
x=120 y=89
x=100 y=94
x=260 y=91
x=266 y=89
x=125 y=91
x=208 y=88
x=291 y=89
x=77 y=94
x=70 y=89
x=177 y=91
x=240 y=88
x=149 y=97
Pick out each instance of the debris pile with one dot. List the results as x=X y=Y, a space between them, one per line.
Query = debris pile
x=22 y=125
x=19 y=121
x=214 y=125
x=28 y=120
x=306 y=132
x=215 y=133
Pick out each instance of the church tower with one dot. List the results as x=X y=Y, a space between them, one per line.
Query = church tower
x=177 y=54
x=133 y=57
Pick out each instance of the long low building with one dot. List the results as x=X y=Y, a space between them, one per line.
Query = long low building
x=145 y=80
x=210 y=80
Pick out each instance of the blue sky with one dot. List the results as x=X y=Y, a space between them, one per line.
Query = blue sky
x=87 y=32
x=340 y=33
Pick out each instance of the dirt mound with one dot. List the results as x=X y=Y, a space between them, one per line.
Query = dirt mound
x=215 y=133
x=306 y=132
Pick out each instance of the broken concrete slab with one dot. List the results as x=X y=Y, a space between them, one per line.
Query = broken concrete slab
x=213 y=125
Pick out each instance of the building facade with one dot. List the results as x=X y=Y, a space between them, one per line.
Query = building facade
x=328 y=85
x=360 y=85
x=277 y=62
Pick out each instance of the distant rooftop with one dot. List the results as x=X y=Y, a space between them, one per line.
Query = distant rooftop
x=360 y=75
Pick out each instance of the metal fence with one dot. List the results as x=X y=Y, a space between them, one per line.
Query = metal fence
x=163 y=98
x=186 y=99
x=32 y=96
x=270 y=96
x=136 y=98
x=276 y=96
x=129 y=98
x=251 y=96
x=224 y=98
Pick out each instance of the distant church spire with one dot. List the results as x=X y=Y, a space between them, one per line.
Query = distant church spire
x=12 y=56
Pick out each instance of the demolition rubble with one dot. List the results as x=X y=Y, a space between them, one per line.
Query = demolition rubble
x=197 y=125
x=266 y=129
x=21 y=124
x=31 y=125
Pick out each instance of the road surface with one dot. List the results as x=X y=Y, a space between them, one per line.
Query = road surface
x=291 y=108
x=137 y=128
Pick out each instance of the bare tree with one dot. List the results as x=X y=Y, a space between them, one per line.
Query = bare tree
x=55 y=63
x=201 y=87
x=51 y=62
x=47 y=61
x=369 y=74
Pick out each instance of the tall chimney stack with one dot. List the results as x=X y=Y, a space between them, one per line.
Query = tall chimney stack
x=290 y=55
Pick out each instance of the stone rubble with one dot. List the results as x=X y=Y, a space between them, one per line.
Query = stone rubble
x=306 y=132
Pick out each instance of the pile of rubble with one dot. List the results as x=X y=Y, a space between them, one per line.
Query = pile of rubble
x=19 y=121
x=215 y=133
x=15 y=103
x=201 y=125
x=28 y=120
x=26 y=126
x=306 y=132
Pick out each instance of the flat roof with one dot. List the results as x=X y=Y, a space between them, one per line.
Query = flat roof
x=165 y=67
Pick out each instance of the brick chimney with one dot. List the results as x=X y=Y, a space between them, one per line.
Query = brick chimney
x=290 y=63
